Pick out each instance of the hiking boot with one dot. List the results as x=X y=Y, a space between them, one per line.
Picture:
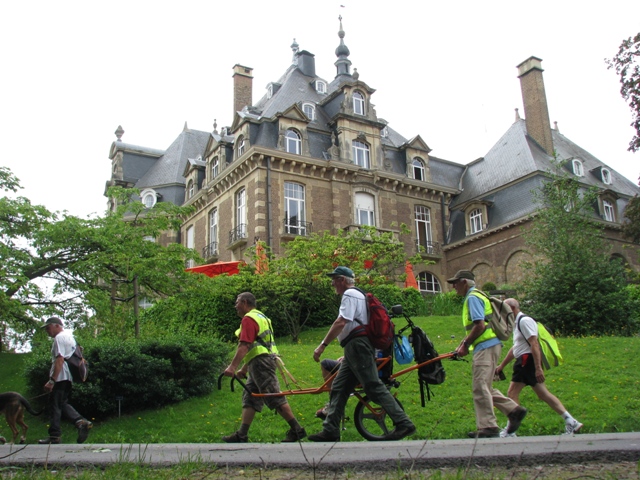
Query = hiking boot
x=488 y=432
x=236 y=437
x=400 y=432
x=505 y=434
x=294 y=435
x=515 y=418
x=83 y=427
x=572 y=427
x=324 y=437
x=49 y=440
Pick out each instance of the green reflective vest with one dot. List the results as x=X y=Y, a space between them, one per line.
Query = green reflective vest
x=468 y=323
x=265 y=342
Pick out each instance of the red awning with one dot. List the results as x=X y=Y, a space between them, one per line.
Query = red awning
x=215 y=269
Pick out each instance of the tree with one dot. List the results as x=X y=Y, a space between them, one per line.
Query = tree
x=55 y=263
x=631 y=225
x=627 y=65
x=573 y=285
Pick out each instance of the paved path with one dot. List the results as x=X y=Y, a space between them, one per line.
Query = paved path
x=437 y=453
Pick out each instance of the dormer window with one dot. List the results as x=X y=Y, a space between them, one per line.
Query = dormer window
x=418 y=169
x=475 y=221
x=269 y=91
x=240 y=148
x=149 y=198
x=191 y=189
x=609 y=212
x=358 y=103
x=384 y=132
x=578 y=171
x=292 y=142
x=215 y=167
x=309 y=110
x=606 y=176
x=321 y=87
x=361 y=154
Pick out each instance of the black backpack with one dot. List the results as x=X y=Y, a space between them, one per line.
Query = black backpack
x=78 y=365
x=431 y=374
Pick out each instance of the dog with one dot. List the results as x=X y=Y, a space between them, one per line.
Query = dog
x=13 y=405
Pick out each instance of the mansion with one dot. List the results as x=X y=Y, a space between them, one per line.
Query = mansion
x=312 y=155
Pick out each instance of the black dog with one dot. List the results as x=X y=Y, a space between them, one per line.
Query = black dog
x=13 y=405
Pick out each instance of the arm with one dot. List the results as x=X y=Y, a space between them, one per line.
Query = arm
x=475 y=332
x=537 y=357
x=241 y=352
x=506 y=361
x=57 y=368
x=333 y=332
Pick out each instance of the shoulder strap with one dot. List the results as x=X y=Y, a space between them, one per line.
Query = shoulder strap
x=365 y=301
x=518 y=325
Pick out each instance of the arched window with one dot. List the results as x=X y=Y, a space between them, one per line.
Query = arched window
x=475 y=220
x=292 y=142
x=149 y=198
x=365 y=209
x=418 y=169
x=321 y=87
x=428 y=282
x=577 y=168
x=191 y=189
x=215 y=167
x=309 y=110
x=609 y=212
x=361 y=154
x=240 y=147
x=358 y=103
x=606 y=176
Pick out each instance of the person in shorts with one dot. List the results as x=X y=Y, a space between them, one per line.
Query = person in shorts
x=527 y=371
x=257 y=348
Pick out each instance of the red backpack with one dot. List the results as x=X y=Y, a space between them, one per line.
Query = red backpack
x=380 y=329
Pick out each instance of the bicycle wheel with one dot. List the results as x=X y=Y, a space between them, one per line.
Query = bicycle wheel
x=373 y=426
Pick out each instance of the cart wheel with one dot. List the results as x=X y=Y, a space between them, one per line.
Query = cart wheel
x=373 y=426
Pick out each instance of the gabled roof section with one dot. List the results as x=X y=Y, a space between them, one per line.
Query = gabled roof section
x=418 y=143
x=169 y=168
x=293 y=112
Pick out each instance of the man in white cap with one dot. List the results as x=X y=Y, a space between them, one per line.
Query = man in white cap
x=60 y=384
x=486 y=347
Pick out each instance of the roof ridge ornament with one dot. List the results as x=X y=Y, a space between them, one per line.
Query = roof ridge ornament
x=119 y=132
x=342 y=52
x=296 y=48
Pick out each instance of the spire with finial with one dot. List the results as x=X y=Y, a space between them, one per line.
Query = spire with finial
x=119 y=132
x=215 y=126
x=295 y=48
x=342 y=52
x=518 y=115
x=186 y=128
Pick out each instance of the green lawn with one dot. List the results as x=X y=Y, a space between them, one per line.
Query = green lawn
x=599 y=384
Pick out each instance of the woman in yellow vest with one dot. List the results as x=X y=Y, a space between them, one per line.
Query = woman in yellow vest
x=486 y=347
x=256 y=346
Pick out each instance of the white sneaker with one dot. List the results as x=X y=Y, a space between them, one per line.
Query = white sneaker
x=572 y=427
x=505 y=434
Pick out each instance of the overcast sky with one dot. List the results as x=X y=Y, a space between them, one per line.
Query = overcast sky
x=72 y=71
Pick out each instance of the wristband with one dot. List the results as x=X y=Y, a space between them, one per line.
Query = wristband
x=324 y=344
x=51 y=382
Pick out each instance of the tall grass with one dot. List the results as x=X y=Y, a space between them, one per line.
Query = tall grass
x=598 y=384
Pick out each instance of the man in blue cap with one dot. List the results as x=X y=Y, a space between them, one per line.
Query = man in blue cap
x=358 y=365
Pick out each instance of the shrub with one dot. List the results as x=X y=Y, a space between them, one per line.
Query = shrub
x=444 y=304
x=489 y=286
x=145 y=374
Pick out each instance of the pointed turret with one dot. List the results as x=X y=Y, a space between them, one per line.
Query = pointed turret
x=343 y=63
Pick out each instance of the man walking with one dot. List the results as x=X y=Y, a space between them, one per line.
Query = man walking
x=486 y=347
x=528 y=368
x=60 y=384
x=358 y=365
x=256 y=346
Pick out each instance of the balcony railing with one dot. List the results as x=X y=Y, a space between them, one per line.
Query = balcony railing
x=238 y=233
x=297 y=228
x=428 y=248
x=210 y=250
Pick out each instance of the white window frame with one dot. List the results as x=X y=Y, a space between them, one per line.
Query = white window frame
x=608 y=211
x=241 y=211
x=269 y=90
x=419 y=171
x=240 y=148
x=309 y=110
x=292 y=142
x=424 y=236
x=428 y=282
x=215 y=167
x=191 y=189
x=190 y=243
x=149 y=198
x=213 y=226
x=358 y=103
x=321 y=87
x=365 y=210
x=361 y=156
x=475 y=220
x=606 y=176
x=294 y=201
x=578 y=170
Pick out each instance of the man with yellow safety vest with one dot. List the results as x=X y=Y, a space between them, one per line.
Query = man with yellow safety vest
x=486 y=347
x=256 y=346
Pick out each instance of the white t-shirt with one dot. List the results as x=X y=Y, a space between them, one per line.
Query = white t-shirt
x=63 y=344
x=352 y=306
x=520 y=339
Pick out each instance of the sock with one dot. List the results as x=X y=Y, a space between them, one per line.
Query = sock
x=244 y=429
x=293 y=423
x=567 y=417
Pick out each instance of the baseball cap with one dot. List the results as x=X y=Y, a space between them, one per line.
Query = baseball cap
x=462 y=274
x=343 y=271
x=52 y=321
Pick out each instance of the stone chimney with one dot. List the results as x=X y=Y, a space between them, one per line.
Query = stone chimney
x=242 y=87
x=306 y=63
x=534 y=98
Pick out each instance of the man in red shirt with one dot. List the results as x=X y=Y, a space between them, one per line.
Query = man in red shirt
x=256 y=346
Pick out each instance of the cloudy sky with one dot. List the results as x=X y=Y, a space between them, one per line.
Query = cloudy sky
x=72 y=71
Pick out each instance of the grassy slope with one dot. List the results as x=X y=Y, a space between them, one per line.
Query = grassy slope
x=598 y=384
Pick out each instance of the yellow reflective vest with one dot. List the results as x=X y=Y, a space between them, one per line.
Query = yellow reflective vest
x=265 y=342
x=468 y=323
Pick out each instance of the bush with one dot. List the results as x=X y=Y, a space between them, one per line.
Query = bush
x=444 y=304
x=145 y=373
x=489 y=286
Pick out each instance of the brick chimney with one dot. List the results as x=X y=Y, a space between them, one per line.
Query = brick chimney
x=534 y=98
x=242 y=87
